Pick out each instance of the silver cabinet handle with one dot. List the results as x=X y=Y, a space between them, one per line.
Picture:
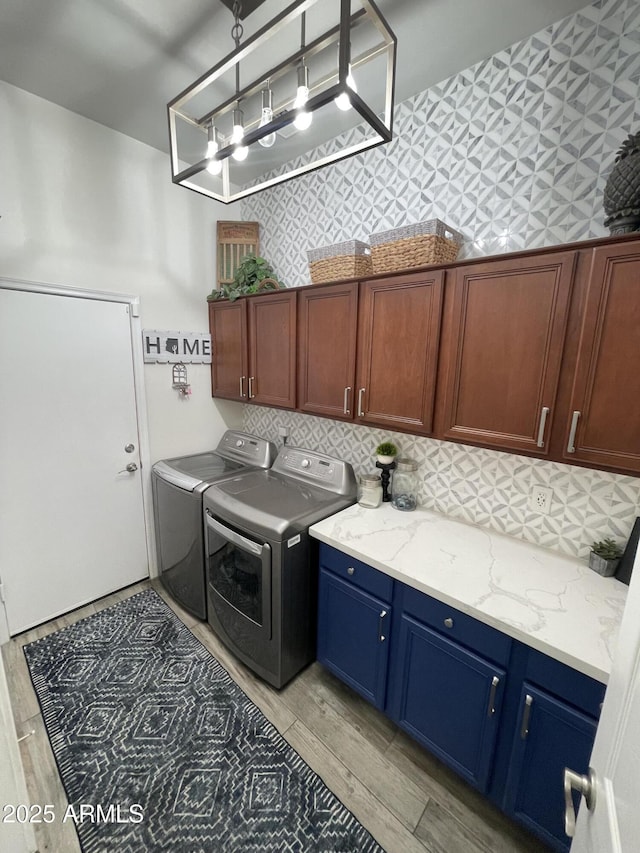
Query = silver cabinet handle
x=586 y=785
x=381 y=636
x=492 y=696
x=360 y=395
x=543 y=421
x=345 y=408
x=571 y=445
x=242 y=378
x=251 y=381
x=524 y=728
x=350 y=570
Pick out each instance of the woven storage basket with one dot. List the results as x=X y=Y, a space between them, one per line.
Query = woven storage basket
x=342 y=260
x=428 y=242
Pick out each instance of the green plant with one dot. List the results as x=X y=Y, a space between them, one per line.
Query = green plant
x=608 y=549
x=387 y=448
x=253 y=274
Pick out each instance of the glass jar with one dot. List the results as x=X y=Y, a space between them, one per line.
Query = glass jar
x=404 y=487
x=369 y=490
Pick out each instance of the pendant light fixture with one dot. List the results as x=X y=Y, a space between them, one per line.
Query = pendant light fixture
x=280 y=93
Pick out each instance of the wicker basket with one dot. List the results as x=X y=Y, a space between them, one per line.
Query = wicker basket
x=428 y=242
x=342 y=260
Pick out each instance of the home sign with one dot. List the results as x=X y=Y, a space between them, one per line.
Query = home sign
x=173 y=347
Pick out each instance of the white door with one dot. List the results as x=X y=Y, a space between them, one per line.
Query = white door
x=613 y=824
x=72 y=523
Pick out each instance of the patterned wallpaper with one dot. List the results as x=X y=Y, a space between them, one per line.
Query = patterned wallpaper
x=514 y=152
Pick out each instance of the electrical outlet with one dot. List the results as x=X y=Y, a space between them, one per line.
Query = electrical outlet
x=540 y=499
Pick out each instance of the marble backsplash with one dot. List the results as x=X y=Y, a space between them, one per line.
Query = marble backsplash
x=472 y=484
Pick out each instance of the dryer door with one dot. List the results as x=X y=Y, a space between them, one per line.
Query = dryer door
x=239 y=581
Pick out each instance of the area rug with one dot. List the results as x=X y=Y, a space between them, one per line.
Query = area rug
x=159 y=750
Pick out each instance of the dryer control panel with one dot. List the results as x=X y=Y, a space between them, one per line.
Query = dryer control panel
x=332 y=474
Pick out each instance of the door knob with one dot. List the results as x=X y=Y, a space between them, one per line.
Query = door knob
x=131 y=467
x=586 y=786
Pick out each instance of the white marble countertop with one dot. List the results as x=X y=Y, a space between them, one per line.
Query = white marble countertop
x=553 y=603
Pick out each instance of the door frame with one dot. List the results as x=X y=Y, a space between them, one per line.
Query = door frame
x=135 y=328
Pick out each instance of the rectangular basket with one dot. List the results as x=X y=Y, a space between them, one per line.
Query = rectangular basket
x=427 y=242
x=351 y=259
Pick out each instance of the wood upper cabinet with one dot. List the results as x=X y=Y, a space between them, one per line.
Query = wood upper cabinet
x=603 y=423
x=506 y=335
x=254 y=349
x=398 y=337
x=327 y=323
x=229 y=370
x=272 y=350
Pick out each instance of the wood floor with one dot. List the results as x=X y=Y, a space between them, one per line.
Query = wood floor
x=407 y=800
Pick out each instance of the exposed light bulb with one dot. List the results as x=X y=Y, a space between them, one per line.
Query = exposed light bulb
x=303 y=118
x=214 y=166
x=343 y=101
x=240 y=151
x=267 y=117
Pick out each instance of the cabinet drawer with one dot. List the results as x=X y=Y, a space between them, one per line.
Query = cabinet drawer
x=356 y=572
x=457 y=626
x=566 y=683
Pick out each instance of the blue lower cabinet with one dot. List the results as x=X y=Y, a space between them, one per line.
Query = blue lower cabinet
x=449 y=699
x=550 y=736
x=353 y=637
x=507 y=718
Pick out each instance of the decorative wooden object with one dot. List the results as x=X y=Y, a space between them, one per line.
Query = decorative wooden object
x=236 y=240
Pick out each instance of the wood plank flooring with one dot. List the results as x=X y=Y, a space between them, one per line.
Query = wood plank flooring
x=405 y=797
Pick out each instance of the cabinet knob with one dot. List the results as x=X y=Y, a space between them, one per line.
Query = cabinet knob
x=350 y=570
x=448 y=622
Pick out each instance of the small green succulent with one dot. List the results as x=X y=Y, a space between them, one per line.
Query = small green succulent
x=608 y=549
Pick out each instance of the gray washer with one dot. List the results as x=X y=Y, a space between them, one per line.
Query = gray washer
x=178 y=485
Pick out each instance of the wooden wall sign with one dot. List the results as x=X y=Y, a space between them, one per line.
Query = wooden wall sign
x=174 y=347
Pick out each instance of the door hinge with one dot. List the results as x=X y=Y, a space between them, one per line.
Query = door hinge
x=2 y=599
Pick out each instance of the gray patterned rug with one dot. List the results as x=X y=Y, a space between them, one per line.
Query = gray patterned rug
x=159 y=750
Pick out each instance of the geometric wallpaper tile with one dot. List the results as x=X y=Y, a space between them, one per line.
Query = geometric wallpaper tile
x=514 y=152
x=480 y=486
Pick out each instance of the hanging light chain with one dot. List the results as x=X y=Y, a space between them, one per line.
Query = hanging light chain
x=237 y=31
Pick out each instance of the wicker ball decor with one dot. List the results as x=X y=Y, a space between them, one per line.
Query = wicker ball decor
x=622 y=191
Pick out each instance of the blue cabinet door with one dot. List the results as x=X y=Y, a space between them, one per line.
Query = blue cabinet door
x=449 y=699
x=353 y=636
x=551 y=735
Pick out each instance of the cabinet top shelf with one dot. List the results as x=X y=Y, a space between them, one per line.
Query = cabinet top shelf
x=553 y=603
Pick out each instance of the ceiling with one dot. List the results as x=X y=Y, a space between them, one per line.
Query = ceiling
x=119 y=62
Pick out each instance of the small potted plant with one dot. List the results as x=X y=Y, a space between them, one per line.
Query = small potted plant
x=386 y=452
x=254 y=274
x=604 y=557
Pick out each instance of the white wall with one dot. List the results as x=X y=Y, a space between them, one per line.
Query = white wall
x=84 y=206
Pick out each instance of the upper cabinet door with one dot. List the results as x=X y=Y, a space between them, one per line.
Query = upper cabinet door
x=228 y=327
x=507 y=336
x=327 y=322
x=272 y=349
x=398 y=337
x=602 y=424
